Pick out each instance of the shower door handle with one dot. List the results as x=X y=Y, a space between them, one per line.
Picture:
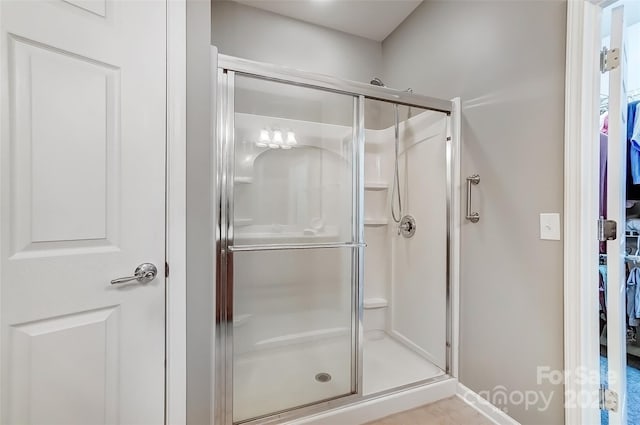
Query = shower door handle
x=473 y=217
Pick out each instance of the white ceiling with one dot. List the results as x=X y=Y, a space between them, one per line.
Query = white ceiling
x=373 y=19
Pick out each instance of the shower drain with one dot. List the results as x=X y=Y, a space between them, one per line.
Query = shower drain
x=323 y=377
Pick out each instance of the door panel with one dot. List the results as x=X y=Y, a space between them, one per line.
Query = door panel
x=82 y=173
x=290 y=220
x=85 y=341
x=65 y=114
x=616 y=198
x=293 y=164
x=292 y=321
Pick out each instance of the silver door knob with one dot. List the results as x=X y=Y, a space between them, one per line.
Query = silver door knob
x=144 y=273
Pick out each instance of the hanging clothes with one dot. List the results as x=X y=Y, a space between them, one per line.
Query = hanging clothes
x=604 y=123
x=631 y=117
x=633 y=151
x=633 y=297
x=603 y=288
x=602 y=297
x=633 y=137
x=602 y=211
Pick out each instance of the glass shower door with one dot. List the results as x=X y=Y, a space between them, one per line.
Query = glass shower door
x=292 y=245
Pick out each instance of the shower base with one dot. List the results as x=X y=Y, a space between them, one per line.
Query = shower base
x=389 y=364
x=278 y=379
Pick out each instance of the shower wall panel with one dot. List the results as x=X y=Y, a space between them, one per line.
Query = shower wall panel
x=419 y=283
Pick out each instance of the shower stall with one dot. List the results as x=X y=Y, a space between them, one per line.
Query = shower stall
x=323 y=300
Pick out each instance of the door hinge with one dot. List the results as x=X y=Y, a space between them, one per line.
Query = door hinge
x=608 y=399
x=607 y=230
x=166 y=269
x=609 y=59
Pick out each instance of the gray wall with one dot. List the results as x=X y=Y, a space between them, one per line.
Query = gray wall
x=200 y=249
x=250 y=33
x=506 y=61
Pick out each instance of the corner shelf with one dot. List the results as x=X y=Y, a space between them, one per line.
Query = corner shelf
x=376 y=222
x=242 y=180
x=371 y=185
x=259 y=234
x=241 y=222
x=370 y=303
x=241 y=319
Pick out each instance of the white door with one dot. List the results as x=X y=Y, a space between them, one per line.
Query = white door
x=82 y=173
x=616 y=199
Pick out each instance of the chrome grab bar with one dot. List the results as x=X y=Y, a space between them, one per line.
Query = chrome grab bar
x=473 y=217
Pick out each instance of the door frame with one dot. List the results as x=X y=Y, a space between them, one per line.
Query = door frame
x=581 y=197
x=175 y=209
x=176 y=219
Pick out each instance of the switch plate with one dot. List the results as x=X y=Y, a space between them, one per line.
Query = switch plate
x=550 y=226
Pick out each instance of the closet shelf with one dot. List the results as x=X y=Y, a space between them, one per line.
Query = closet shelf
x=371 y=185
x=375 y=222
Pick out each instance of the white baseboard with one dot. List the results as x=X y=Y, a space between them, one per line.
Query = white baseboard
x=490 y=411
x=379 y=407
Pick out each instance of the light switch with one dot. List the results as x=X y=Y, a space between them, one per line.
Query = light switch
x=550 y=226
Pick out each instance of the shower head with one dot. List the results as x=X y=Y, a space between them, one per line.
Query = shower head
x=378 y=82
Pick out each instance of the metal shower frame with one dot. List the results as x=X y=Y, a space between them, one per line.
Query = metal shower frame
x=228 y=68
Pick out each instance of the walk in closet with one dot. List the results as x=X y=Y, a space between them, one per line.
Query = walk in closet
x=629 y=281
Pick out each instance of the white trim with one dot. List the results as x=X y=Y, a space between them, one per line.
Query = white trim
x=213 y=160
x=4 y=93
x=487 y=409
x=456 y=140
x=616 y=181
x=176 y=306
x=581 y=208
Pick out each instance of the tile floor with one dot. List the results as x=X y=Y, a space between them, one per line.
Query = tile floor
x=451 y=411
